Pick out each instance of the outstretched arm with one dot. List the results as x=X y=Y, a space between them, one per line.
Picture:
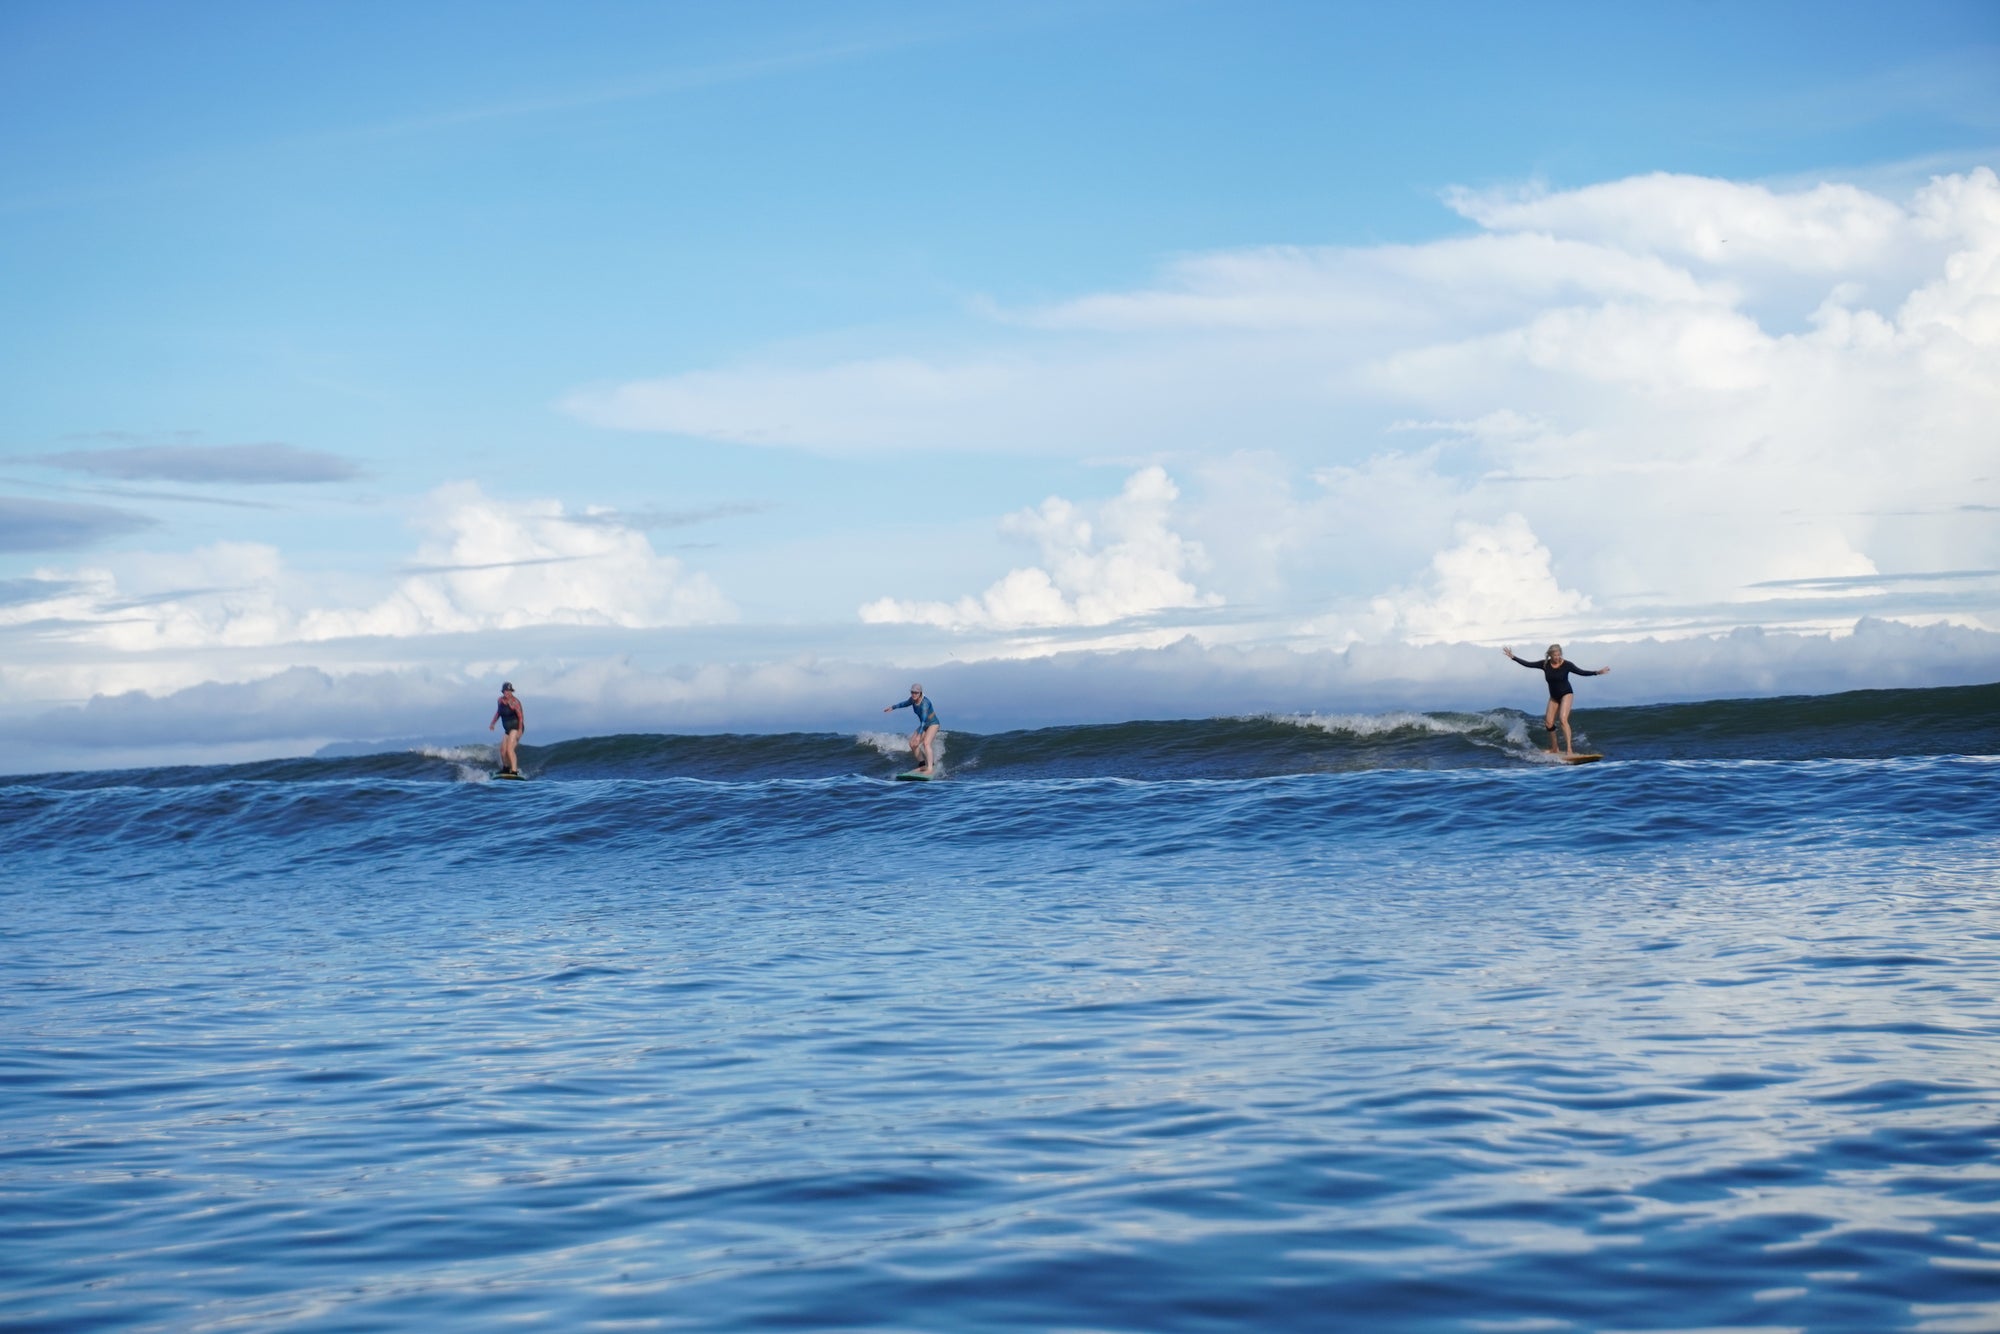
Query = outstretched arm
x=1520 y=661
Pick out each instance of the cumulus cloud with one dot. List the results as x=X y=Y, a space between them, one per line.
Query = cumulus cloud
x=483 y=564
x=1685 y=386
x=1497 y=580
x=49 y=525
x=490 y=564
x=256 y=464
x=1127 y=562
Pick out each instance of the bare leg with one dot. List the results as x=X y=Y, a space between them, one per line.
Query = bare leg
x=1569 y=746
x=508 y=762
x=1549 y=725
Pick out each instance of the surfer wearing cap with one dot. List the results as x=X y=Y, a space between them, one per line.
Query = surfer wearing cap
x=923 y=740
x=1557 y=673
x=511 y=716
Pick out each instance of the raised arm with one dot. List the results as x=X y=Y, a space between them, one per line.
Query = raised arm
x=1520 y=661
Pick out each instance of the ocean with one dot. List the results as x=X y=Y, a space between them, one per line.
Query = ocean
x=1316 y=1022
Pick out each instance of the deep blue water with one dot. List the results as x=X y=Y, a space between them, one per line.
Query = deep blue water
x=1334 y=1023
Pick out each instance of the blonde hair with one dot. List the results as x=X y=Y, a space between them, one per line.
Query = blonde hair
x=1555 y=651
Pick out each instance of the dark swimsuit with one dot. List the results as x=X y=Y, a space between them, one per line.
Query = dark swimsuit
x=1558 y=677
x=510 y=721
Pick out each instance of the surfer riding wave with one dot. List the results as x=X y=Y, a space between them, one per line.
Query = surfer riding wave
x=923 y=741
x=514 y=715
x=1557 y=673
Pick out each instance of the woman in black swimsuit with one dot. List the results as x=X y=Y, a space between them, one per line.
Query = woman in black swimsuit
x=514 y=716
x=1557 y=673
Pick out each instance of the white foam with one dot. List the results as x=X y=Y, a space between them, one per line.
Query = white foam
x=1376 y=724
x=458 y=754
x=889 y=743
x=1500 y=729
x=473 y=764
x=896 y=745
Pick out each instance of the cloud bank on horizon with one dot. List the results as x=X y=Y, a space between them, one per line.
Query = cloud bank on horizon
x=303 y=710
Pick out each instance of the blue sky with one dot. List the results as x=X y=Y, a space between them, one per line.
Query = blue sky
x=632 y=347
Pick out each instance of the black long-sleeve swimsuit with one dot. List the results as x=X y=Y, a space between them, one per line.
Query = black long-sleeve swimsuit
x=1558 y=677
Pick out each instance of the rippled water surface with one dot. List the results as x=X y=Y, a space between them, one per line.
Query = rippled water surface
x=1647 y=1045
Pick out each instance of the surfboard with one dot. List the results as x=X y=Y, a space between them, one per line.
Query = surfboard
x=915 y=776
x=1578 y=759
x=511 y=778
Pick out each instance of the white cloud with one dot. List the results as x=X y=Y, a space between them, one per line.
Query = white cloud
x=488 y=564
x=1553 y=273
x=1496 y=582
x=1829 y=228
x=1126 y=563
x=484 y=564
x=1402 y=288
x=1684 y=386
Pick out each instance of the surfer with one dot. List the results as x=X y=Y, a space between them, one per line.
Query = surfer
x=923 y=740
x=511 y=716
x=1557 y=672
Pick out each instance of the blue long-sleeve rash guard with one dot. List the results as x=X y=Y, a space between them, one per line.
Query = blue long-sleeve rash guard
x=926 y=715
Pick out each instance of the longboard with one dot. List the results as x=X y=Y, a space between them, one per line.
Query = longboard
x=1578 y=759
x=915 y=776
x=511 y=778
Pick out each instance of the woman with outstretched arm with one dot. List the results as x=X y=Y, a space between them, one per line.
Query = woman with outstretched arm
x=923 y=741
x=1557 y=673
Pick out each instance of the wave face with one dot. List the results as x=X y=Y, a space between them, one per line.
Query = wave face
x=1291 y=1023
x=1962 y=720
